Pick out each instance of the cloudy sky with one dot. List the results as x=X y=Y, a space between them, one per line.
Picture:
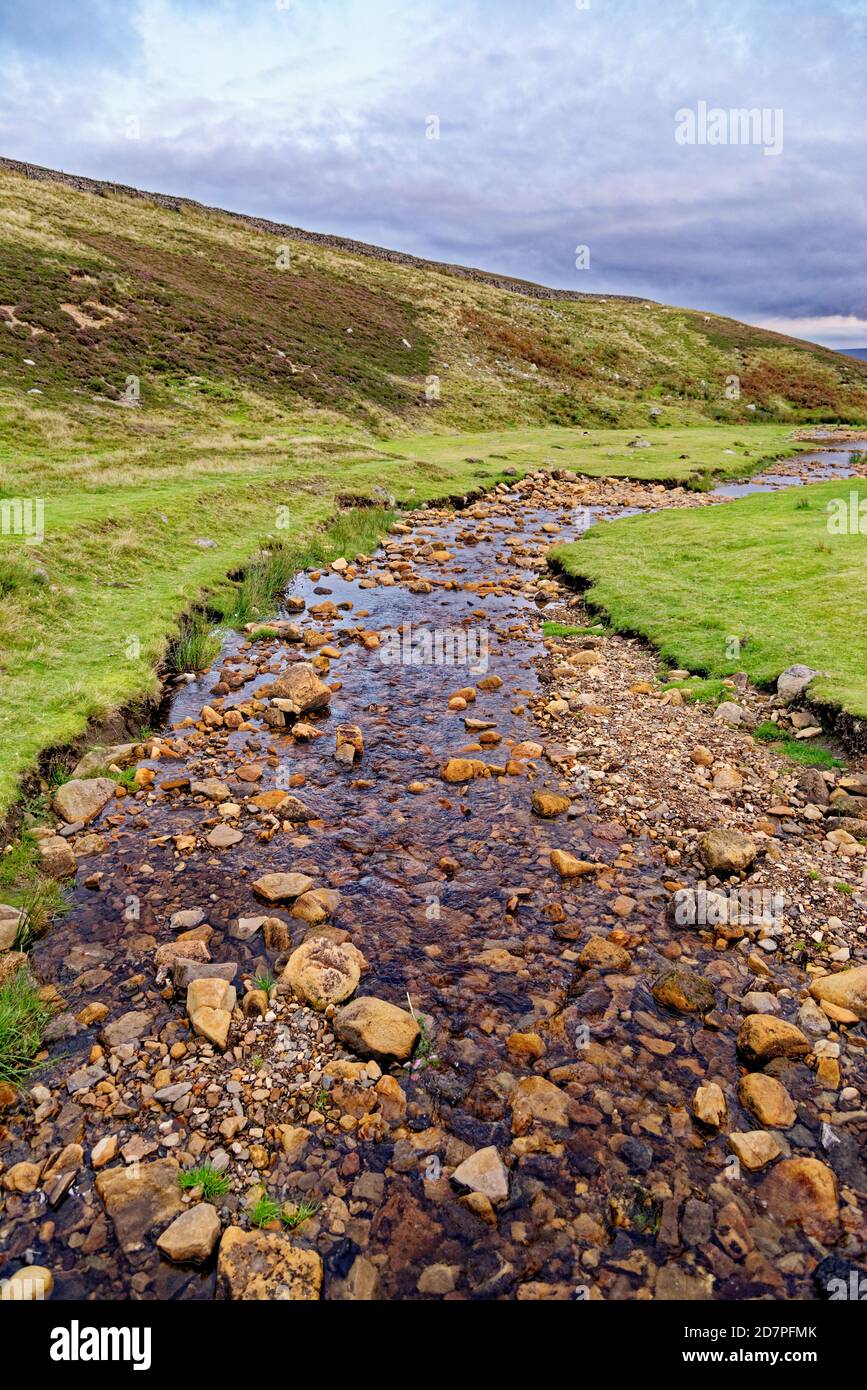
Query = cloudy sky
x=499 y=133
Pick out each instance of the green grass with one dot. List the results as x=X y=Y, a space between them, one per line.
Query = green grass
x=195 y=647
x=695 y=457
x=763 y=570
x=297 y=1215
x=212 y=1183
x=23 y=1019
x=265 y=1210
x=567 y=630
x=805 y=752
x=701 y=692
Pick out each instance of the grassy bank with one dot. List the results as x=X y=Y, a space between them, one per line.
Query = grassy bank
x=694 y=457
x=764 y=570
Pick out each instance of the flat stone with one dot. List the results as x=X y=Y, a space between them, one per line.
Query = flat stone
x=79 y=801
x=128 y=1028
x=140 y=1201
x=600 y=953
x=535 y=1098
x=300 y=691
x=265 y=1266
x=192 y=1236
x=275 y=888
x=485 y=1172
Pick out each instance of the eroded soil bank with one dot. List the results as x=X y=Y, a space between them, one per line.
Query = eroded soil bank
x=603 y=1101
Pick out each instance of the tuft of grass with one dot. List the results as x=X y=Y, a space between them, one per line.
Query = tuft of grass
x=265 y=1211
x=195 y=647
x=212 y=1183
x=800 y=751
x=702 y=692
x=23 y=1019
x=265 y=981
x=844 y=888
x=295 y=1216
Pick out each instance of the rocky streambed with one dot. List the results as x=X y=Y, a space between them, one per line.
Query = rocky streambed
x=428 y=957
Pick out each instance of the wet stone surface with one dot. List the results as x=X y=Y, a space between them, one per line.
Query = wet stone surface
x=563 y=1089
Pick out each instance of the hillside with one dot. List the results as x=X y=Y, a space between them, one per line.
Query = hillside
x=100 y=285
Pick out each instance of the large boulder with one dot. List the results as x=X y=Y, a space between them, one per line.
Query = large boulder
x=727 y=851
x=847 y=990
x=265 y=1266
x=793 y=682
x=80 y=801
x=373 y=1028
x=300 y=691
x=762 y=1037
x=140 y=1200
x=323 y=972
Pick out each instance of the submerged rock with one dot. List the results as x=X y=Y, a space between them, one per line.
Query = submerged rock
x=265 y=1266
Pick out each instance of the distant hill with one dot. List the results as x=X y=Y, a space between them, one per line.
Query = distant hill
x=202 y=319
x=860 y=353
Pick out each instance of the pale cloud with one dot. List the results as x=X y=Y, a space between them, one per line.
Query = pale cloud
x=556 y=129
x=833 y=330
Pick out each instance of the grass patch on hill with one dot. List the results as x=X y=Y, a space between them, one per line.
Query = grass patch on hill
x=763 y=570
x=694 y=457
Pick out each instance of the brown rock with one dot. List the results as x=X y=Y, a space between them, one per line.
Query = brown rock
x=323 y=972
x=803 y=1192
x=275 y=888
x=373 y=1028
x=601 y=953
x=140 y=1200
x=762 y=1037
x=534 y=1098
x=846 y=990
x=191 y=1237
x=299 y=691
x=755 y=1148
x=265 y=1266
x=727 y=851
x=767 y=1099
x=80 y=801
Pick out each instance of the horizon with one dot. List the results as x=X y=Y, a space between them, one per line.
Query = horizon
x=486 y=136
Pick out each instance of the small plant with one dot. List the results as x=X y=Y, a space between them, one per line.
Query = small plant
x=802 y=504
x=212 y=1183
x=264 y=634
x=321 y=1100
x=23 y=1019
x=265 y=982
x=265 y=1211
x=768 y=731
x=195 y=648
x=300 y=1213
x=423 y=1055
x=844 y=887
